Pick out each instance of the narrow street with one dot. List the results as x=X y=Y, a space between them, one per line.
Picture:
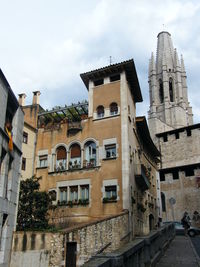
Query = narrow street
x=180 y=253
x=196 y=243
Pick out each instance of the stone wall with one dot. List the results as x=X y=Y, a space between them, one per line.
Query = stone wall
x=180 y=149
x=35 y=249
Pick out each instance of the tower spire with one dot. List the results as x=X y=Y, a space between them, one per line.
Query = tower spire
x=169 y=106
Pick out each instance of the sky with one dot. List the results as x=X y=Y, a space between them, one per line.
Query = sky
x=46 y=44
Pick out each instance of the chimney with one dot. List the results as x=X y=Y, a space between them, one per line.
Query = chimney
x=21 y=99
x=36 y=95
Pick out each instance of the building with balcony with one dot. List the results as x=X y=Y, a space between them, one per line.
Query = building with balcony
x=96 y=158
x=11 y=128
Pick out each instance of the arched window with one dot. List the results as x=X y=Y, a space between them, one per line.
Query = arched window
x=61 y=156
x=171 y=95
x=100 y=111
x=161 y=92
x=90 y=154
x=163 y=202
x=113 y=108
x=52 y=195
x=75 y=157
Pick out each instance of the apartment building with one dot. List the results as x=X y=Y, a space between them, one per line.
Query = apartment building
x=11 y=128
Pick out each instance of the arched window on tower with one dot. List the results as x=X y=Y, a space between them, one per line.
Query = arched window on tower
x=171 y=96
x=161 y=92
x=61 y=157
x=163 y=202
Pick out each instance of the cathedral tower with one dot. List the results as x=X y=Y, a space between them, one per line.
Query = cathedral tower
x=169 y=106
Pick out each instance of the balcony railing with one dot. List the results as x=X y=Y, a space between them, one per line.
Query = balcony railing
x=141 y=177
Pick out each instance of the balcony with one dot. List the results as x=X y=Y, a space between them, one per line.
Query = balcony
x=141 y=177
x=74 y=127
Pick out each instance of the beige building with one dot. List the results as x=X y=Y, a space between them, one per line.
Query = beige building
x=172 y=129
x=29 y=134
x=94 y=157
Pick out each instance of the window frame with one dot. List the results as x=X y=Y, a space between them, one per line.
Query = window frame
x=109 y=148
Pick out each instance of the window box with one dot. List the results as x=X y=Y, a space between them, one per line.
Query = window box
x=110 y=200
x=83 y=202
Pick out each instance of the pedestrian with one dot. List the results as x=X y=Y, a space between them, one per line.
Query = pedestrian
x=185 y=221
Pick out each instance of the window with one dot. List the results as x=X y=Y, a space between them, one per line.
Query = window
x=75 y=157
x=63 y=194
x=114 y=78
x=189 y=132
x=175 y=175
x=61 y=156
x=90 y=154
x=177 y=135
x=43 y=161
x=189 y=171
x=113 y=109
x=110 y=151
x=163 y=202
x=161 y=92
x=52 y=195
x=73 y=193
x=111 y=192
x=162 y=177
x=100 y=111
x=165 y=138
x=84 y=192
x=25 y=137
x=171 y=90
x=3 y=153
x=23 y=164
x=98 y=82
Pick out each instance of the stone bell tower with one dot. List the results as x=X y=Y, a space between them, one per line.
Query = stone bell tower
x=169 y=106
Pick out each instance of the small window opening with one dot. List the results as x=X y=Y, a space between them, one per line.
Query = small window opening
x=161 y=92
x=99 y=82
x=23 y=164
x=171 y=90
x=175 y=175
x=113 y=109
x=189 y=172
x=100 y=111
x=165 y=138
x=189 y=132
x=162 y=177
x=115 y=78
x=25 y=137
x=163 y=202
x=177 y=135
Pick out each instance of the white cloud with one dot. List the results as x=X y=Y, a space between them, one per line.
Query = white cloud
x=45 y=45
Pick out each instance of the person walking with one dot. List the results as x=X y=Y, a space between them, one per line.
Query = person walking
x=185 y=221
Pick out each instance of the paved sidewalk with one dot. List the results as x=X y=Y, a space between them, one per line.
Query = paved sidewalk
x=180 y=253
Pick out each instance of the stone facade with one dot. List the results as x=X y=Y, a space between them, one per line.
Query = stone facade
x=11 y=120
x=52 y=249
x=172 y=129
